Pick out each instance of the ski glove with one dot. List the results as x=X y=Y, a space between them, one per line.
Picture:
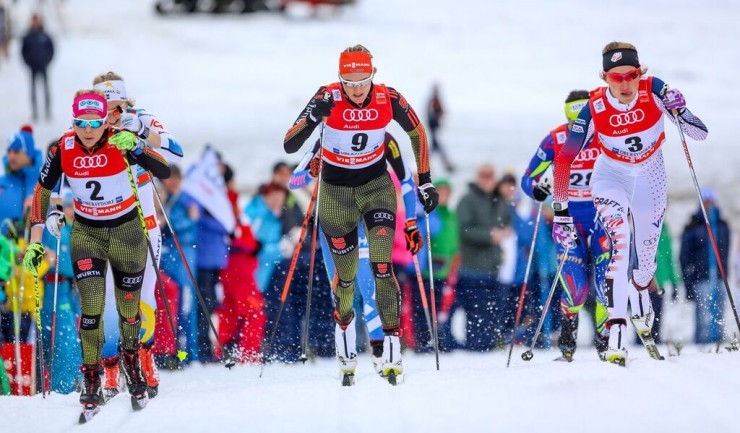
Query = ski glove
x=413 y=237
x=126 y=141
x=427 y=193
x=541 y=191
x=55 y=221
x=563 y=230
x=674 y=100
x=131 y=122
x=315 y=167
x=32 y=258
x=319 y=107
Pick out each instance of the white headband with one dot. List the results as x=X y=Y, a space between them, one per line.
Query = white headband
x=114 y=90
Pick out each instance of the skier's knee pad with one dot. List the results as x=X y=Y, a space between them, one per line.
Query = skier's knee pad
x=128 y=282
x=89 y=322
x=382 y=270
x=88 y=267
x=342 y=245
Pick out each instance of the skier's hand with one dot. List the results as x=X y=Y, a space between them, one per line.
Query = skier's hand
x=131 y=122
x=319 y=107
x=55 y=221
x=413 y=237
x=32 y=258
x=674 y=100
x=315 y=166
x=427 y=193
x=563 y=230
x=541 y=191
x=125 y=141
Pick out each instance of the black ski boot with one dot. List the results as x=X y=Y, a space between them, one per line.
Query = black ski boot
x=568 y=338
x=92 y=392
x=131 y=366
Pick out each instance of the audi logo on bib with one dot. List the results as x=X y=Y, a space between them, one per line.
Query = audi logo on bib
x=93 y=161
x=353 y=115
x=628 y=118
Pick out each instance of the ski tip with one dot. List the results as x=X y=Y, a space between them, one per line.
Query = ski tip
x=181 y=355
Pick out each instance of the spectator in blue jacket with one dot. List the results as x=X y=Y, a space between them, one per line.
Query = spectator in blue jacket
x=22 y=165
x=212 y=255
x=700 y=269
x=183 y=213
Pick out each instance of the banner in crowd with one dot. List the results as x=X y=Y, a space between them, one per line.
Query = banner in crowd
x=204 y=182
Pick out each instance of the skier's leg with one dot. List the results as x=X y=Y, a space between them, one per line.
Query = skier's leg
x=338 y=215
x=612 y=207
x=127 y=254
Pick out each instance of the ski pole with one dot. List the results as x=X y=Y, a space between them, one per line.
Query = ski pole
x=706 y=219
x=180 y=354
x=288 y=278
x=229 y=362
x=524 y=284
x=422 y=292
x=431 y=295
x=56 y=289
x=304 y=345
x=39 y=336
x=528 y=355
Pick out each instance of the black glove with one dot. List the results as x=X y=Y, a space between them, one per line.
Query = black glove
x=427 y=193
x=319 y=107
x=541 y=191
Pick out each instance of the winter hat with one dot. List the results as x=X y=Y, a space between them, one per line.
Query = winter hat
x=23 y=141
x=442 y=182
x=708 y=194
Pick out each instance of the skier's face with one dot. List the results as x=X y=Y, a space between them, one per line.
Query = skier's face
x=83 y=127
x=623 y=82
x=357 y=86
x=115 y=110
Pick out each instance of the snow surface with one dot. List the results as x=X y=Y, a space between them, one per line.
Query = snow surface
x=505 y=67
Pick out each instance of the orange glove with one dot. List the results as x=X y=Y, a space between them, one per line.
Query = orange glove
x=413 y=237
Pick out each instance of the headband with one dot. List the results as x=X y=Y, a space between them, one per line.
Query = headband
x=114 y=90
x=90 y=103
x=620 y=57
x=572 y=108
x=355 y=61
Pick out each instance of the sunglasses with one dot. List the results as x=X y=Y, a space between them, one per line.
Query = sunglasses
x=615 y=77
x=94 y=123
x=118 y=109
x=360 y=83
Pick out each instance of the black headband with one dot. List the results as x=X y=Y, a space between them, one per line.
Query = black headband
x=620 y=57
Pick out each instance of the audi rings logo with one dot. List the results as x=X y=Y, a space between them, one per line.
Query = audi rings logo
x=353 y=115
x=93 y=161
x=628 y=118
x=383 y=216
x=132 y=280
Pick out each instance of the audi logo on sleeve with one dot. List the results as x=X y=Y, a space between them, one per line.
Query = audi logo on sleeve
x=357 y=115
x=92 y=161
x=628 y=118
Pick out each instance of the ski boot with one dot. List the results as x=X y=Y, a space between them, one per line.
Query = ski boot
x=392 y=363
x=643 y=318
x=131 y=366
x=568 y=337
x=601 y=342
x=345 y=340
x=616 y=353
x=377 y=356
x=92 y=392
x=149 y=368
x=111 y=387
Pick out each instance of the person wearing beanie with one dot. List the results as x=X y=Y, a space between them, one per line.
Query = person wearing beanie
x=21 y=165
x=96 y=161
x=628 y=184
x=123 y=115
x=577 y=278
x=354 y=113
